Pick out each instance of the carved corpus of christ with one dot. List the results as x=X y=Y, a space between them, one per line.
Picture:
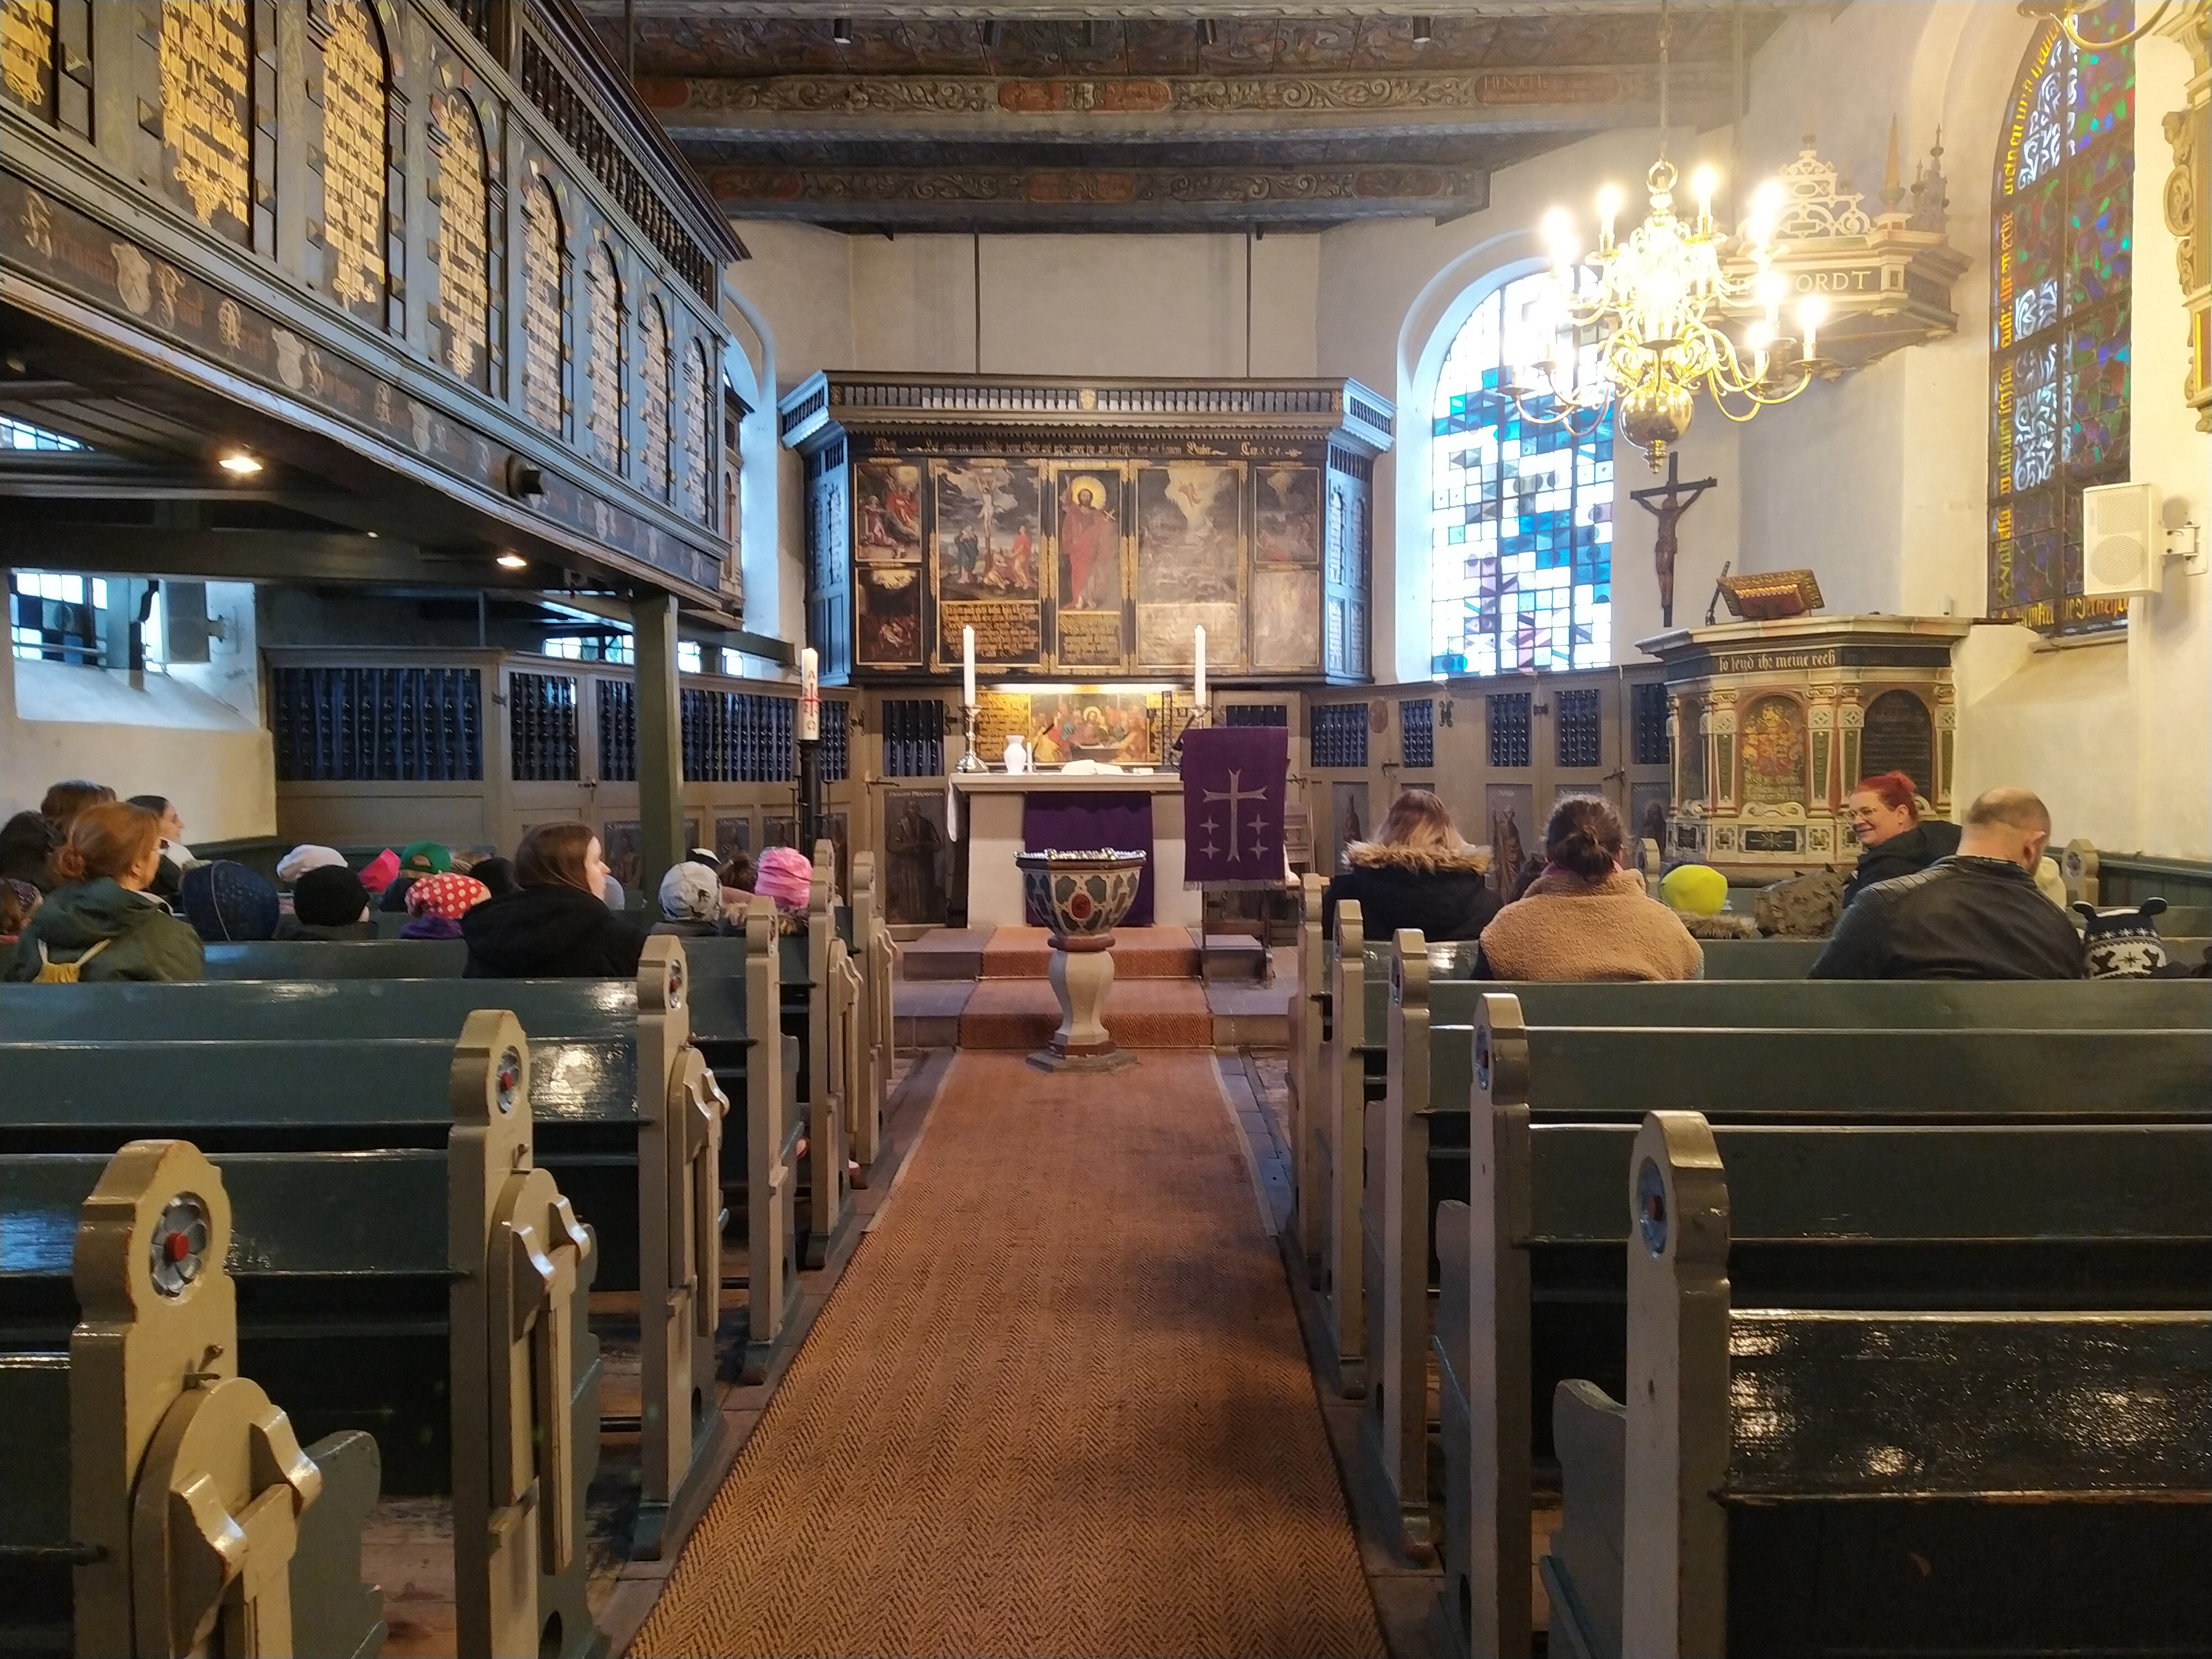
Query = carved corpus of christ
x=1666 y=503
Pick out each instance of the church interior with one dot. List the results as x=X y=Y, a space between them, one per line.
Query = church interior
x=919 y=827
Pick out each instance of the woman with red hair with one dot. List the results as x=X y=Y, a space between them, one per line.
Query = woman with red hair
x=1893 y=839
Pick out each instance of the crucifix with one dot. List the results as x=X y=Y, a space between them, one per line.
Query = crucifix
x=1236 y=794
x=1666 y=503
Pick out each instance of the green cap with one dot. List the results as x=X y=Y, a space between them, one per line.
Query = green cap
x=426 y=858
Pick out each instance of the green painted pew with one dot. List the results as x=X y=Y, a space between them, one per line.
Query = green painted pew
x=1551 y=1305
x=75 y=1448
x=1881 y=1477
x=376 y=1274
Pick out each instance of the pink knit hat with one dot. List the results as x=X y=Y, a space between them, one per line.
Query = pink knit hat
x=785 y=874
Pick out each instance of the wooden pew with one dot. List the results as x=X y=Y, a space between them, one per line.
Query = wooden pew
x=645 y=1163
x=136 y=1401
x=435 y=1293
x=1532 y=1185
x=1867 y=1479
x=1310 y=1024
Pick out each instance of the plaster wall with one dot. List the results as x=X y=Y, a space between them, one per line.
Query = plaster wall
x=194 y=734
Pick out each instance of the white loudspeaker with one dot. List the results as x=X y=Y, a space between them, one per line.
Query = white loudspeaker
x=2123 y=544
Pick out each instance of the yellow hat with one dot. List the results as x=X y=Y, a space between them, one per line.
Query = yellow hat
x=1699 y=888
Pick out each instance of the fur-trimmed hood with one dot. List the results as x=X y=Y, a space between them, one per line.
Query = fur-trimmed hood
x=1421 y=860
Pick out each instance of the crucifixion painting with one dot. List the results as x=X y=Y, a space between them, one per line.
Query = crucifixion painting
x=1667 y=503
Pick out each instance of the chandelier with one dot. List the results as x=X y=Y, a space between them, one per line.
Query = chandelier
x=1638 y=317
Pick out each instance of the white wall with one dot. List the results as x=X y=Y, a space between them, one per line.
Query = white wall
x=194 y=735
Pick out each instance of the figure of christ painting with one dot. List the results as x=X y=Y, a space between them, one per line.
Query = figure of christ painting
x=1285 y=619
x=1286 y=517
x=1772 y=745
x=918 y=864
x=889 y=604
x=887 y=503
x=990 y=528
x=1189 y=562
x=1088 y=521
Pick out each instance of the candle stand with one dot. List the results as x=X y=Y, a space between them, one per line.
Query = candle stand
x=969 y=761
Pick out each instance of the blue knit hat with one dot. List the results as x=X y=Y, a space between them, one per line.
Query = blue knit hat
x=225 y=900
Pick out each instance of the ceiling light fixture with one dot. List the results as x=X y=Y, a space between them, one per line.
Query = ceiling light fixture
x=840 y=30
x=1209 y=33
x=1424 y=30
x=238 y=463
x=1631 y=324
x=513 y=562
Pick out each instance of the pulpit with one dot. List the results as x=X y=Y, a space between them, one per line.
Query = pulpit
x=996 y=806
x=1774 y=721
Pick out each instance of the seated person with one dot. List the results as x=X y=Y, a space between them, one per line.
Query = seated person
x=100 y=919
x=328 y=902
x=1586 y=918
x=692 y=902
x=1894 y=840
x=18 y=899
x=737 y=876
x=226 y=903
x=556 y=925
x=28 y=842
x=421 y=859
x=1977 y=914
x=436 y=904
x=498 y=874
x=1416 y=872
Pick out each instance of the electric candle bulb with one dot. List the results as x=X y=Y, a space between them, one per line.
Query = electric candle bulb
x=1701 y=184
x=1560 y=237
x=1812 y=310
x=1608 y=209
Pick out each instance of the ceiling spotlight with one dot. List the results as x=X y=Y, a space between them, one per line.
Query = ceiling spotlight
x=1424 y=29
x=1209 y=33
x=238 y=463
x=513 y=562
x=840 y=30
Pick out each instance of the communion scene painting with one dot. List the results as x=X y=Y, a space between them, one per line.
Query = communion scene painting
x=1020 y=828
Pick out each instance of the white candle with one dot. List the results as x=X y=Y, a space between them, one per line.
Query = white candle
x=1198 y=657
x=810 y=696
x=967 y=666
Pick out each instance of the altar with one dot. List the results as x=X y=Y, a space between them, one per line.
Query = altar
x=996 y=806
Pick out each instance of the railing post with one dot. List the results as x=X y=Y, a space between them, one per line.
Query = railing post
x=659 y=741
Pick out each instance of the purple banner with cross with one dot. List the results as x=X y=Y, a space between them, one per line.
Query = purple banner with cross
x=1234 y=784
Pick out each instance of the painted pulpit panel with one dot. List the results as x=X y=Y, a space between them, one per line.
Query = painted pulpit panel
x=1772 y=742
x=1190 y=562
x=1899 y=735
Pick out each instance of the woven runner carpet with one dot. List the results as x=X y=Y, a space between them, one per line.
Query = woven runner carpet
x=1057 y=1405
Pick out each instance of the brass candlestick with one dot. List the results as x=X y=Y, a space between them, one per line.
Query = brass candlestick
x=969 y=762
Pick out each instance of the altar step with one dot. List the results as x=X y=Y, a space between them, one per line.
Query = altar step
x=980 y=987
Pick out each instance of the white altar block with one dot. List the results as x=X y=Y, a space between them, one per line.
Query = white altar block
x=990 y=823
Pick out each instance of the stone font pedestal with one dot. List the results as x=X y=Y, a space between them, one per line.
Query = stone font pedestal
x=1082 y=974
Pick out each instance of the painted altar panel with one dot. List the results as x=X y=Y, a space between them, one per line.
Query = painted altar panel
x=1084 y=722
x=1190 y=563
x=989 y=554
x=887 y=512
x=1090 y=564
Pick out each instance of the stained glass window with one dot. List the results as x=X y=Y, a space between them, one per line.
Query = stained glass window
x=1521 y=512
x=2061 y=242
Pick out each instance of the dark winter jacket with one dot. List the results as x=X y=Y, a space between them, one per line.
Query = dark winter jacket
x=691 y=929
x=1439 y=890
x=1904 y=854
x=145 y=941
x=1963 y=918
x=290 y=927
x=550 y=932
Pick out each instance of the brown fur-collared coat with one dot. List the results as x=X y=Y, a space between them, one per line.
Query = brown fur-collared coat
x=1566 y=928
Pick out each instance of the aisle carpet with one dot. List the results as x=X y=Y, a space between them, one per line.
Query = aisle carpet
x=1058 y=1405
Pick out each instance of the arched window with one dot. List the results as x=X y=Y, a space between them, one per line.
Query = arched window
x=653 y=369
x=1521 y=519
x=603 y=361
x=2061 y=241
x=544 y=348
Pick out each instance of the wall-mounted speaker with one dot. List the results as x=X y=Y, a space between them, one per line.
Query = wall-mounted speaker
x=2123 y=542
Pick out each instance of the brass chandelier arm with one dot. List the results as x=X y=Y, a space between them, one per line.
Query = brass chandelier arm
x=2067 y=19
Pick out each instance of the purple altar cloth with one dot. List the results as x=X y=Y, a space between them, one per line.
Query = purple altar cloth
x=1064 y=822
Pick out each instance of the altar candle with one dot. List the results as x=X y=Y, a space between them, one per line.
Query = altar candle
x=1197 y=656
x=967 y=666
x=810 y=696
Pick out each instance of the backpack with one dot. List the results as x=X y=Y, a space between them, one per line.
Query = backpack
x=65 y=973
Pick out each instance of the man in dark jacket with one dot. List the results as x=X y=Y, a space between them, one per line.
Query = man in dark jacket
x=1977 y=914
